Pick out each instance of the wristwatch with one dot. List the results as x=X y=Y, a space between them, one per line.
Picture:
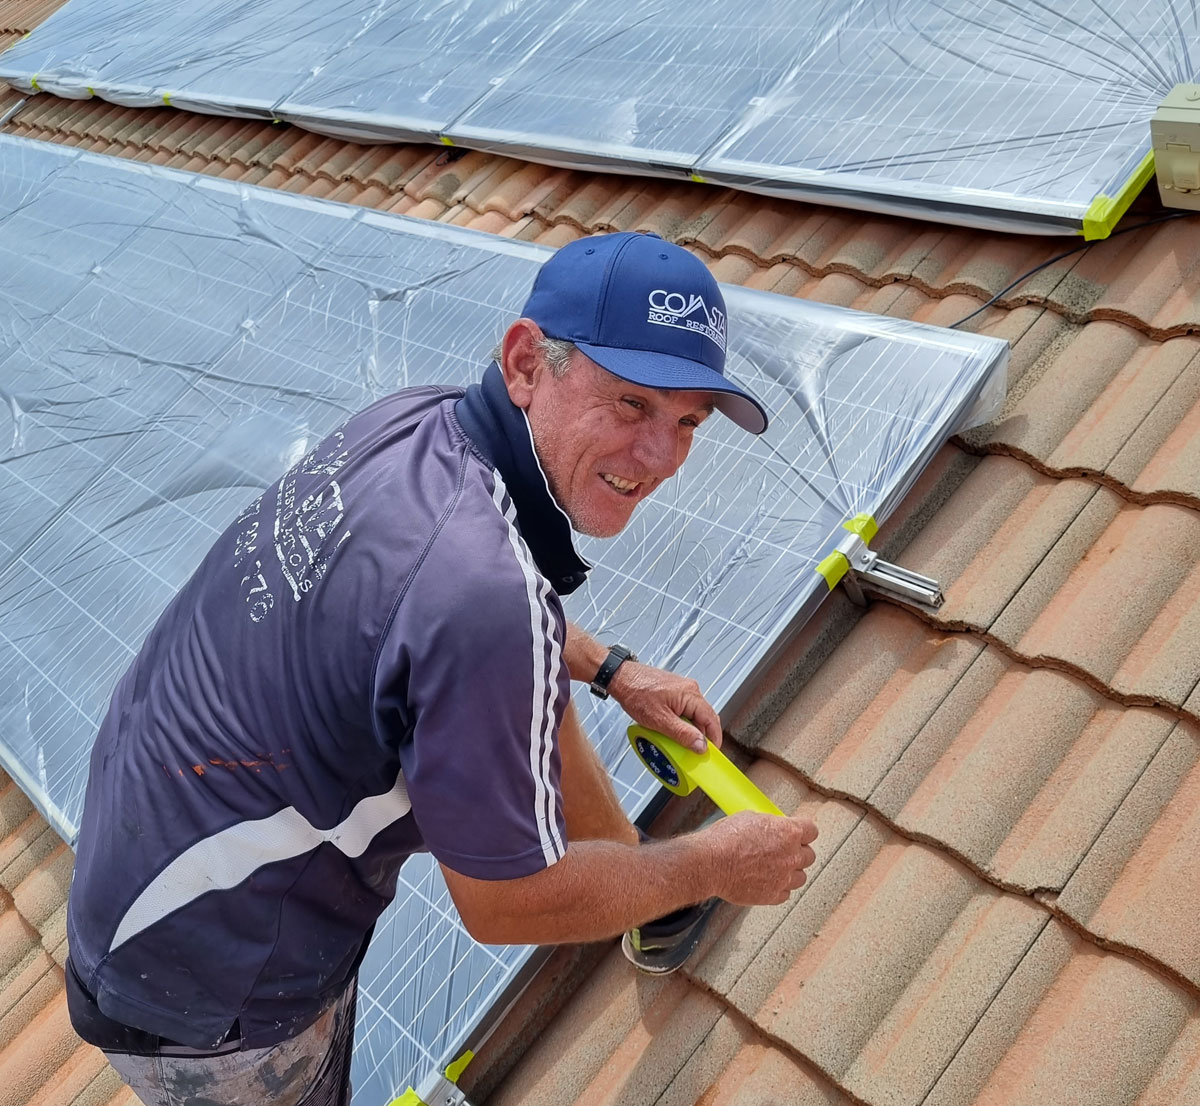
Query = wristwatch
x=617 y=656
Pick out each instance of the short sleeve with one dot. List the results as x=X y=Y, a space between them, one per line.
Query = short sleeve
x=471 y=684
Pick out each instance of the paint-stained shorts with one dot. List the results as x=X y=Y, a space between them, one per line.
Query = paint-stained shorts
x=311 y=1069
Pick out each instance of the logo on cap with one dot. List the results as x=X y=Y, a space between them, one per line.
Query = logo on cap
x=687 y=313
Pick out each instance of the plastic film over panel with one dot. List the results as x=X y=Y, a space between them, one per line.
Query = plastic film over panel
x=1014 y=114
x=169 y=344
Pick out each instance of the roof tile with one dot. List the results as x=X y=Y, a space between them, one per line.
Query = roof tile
x=45 y=1046
x=85 y=1080
x=519 y=192
x=441 y=178
x=621 y=1039
x=884 y=963
x=850 y=724
x=736 y=936
x=1156 y=284
x=42 y=894
x=27 y=994
x=1119 y=598
x=1137 y=886
x=1075 y=1026
x=735 y=1066
x=1019 y=770
x=1098 y=394
x=30 y=844
x=391 y=167
x=992 y=533
x=1162 y=458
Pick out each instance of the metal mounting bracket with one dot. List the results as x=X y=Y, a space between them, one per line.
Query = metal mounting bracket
x=862 y=572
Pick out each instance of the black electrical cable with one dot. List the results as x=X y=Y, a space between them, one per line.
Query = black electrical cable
x=1077 y=249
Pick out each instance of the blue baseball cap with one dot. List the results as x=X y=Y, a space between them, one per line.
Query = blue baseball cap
x=647 y=311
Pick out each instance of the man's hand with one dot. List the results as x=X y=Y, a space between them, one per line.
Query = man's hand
x=672 y=705
x=763 y=857
x=657 y=699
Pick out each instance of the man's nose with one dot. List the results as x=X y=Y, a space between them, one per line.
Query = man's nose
x=658 y=451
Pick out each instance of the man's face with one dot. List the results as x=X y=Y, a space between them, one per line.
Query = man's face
x=606 y=444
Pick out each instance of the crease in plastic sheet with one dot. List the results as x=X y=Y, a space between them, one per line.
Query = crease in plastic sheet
x=1008 y=114
x=170 y=343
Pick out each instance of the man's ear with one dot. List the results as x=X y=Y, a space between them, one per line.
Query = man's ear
x=521 y=362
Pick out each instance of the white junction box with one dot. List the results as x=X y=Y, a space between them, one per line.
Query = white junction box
x=1175 y=136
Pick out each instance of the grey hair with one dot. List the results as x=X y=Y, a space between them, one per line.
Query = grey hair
x=557 y=352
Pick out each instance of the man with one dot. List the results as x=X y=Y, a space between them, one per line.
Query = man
x=373 y=661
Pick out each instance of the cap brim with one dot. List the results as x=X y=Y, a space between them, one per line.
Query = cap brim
x=661 y=370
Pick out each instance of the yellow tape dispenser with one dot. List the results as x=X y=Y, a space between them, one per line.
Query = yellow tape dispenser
x=682 y=770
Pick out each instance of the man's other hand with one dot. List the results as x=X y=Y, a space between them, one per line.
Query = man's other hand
x=663 y=701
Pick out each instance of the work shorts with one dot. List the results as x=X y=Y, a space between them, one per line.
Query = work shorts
x=310 y=1069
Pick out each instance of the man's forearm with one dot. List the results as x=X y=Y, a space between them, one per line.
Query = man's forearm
x=601 y=888
x=598 y=890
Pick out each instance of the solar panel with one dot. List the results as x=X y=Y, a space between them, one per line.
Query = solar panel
x=1015 y=115
x=170 y=343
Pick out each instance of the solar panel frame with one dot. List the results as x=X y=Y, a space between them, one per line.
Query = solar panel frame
x=195 y=337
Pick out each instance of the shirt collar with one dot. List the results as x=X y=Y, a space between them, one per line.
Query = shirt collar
x=500 y=432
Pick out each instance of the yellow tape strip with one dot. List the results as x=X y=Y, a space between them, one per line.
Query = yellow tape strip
x=698 y=178
x=408 y=1098
x=167 y=99
x=34 y=84
x=833 y=568
x=454 y=1071
x=864 y=525
x=445 y=141
x=1102 y=216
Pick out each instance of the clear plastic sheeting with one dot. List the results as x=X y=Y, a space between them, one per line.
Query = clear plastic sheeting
x=170 y=343
x=1011 y=114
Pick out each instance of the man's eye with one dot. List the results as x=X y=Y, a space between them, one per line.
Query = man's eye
x=636 y=404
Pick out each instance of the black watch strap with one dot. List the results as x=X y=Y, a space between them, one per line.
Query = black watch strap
x=617 y=656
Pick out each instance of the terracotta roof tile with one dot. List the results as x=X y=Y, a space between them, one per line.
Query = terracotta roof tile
x=30 y=844
x=675 y=215
x=1119 y=598
x=997 y=732
x=1136 y=887
x=315 y=156
x=84 y=1080
x=884 y=963
x=1110 y=394
x=622 y=1039
x=397 y=168
x=735 y=1066
x=1157 y=282
x=996 y=529
x=1020 y=770
x=45 y=1046
x=1162 y=457
x=850 y=724
x=441 y=178
x=21 y=955
x=290 y=148
x=1075 y=1026
x=597 y=194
